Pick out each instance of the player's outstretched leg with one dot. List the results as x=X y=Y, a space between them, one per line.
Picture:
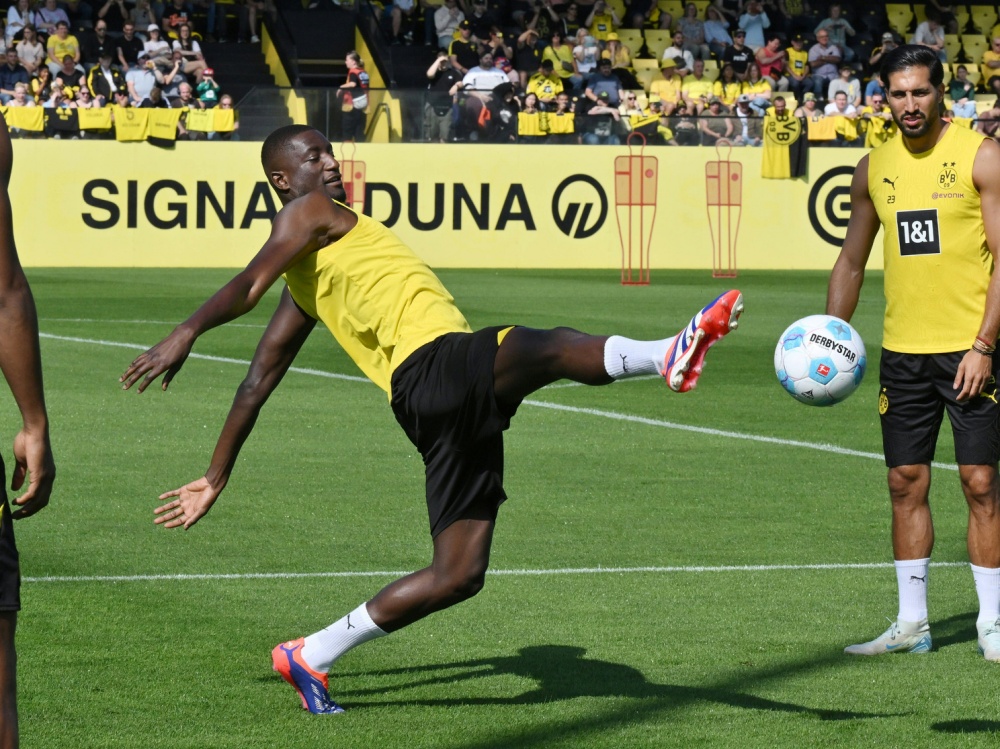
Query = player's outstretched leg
x=901 y=637
x=311 y=685
x=531 y=359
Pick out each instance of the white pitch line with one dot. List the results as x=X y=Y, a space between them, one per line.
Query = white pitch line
x=503 y=573
x=817 y=446
x=137 y=322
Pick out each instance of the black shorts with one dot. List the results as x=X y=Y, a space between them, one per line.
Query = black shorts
x=443 y=398
x=916 y=390
x=10 y=570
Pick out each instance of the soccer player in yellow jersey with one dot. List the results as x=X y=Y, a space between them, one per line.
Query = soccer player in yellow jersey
x=935 y=190
x=453 y=391
x=21 y=363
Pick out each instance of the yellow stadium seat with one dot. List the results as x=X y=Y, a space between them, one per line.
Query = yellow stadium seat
x=974 y=46
x=711 y=64
x=899 y=17
x=645 y=77
x=631 y=38
x=618 y=6
x=947 y=75
x=674 y=7
x=711 y=73
x=952 y=46
x=702 y=6
x=984 y=105
x=919 y=13
x=983 y=17
x=962 y=17
x=645 y=63
x=657 y=40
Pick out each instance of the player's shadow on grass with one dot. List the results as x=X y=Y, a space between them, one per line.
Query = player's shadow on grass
x=967 y=726
x=561 y=672
x=954 y=630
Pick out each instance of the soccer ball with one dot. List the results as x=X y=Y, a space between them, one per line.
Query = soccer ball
x=820 y=360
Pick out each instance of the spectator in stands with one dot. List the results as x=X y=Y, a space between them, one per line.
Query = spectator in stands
x=483 y=78
x=727 y=86
x=447 y=20
x=84 y=100
x=503 y=63
x=428 y=9
x=683 y=126
x=739 y=56
x=30 y=51
x=824 y=59
x=156 y=100
x=668 y=88
x=621 y=62
x=730 y=9
x=21 y=97
x=838 y=29
x=19 y=15
x=561 y=124
x=172 y=16
x=604 y=80
x=876 y=119
x=103 y=80
x=174 y=77
x=463 y=51
x=714 y=123
x=692 y=31
x=96 y=43
x=563 y=61
x=639 y=13
x=840 y=106
x=696 y=89
x=989 y=122
x=497 y=46
x=990 y=66
x=57 y=98
x=439 y=104
x=779 y=107
x=527 y=55
x=754 y=22
x=963 y=94
x=48 y=16
x=601 y=124
x=142 y=17
x=190 y=51
x=930 y=34
x=771 y=58
x=759 y=89
x=11 y=73
x=749 y=125
x=499 y=120
x=809 y=107
x=586 y=53
x=848 y=83
x=157 y=48
x=570 y=21
x=679 y=53
x=602 y=21
x=122 y=100
x=129 y=47
x=226 y=102
x=888 y=44
x=185 y=98
x=41 y=85
x=59 y=45
x=797 y=67
x=113 y=14
x=71 y=77
x=482 y=20
x=716 y=31
x=545 y=85
x=401 y=15
x=141 y=79
x=531 y=121
x=543 y=19
x=208 y=91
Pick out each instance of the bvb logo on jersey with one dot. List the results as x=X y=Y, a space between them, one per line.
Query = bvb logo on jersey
x=783 y=129
x=883 y=403
x=948 y=177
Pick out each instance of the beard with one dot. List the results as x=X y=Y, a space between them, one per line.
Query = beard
x=913 y=131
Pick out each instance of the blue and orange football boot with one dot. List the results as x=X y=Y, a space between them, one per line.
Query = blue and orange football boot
x=686 y=355
x=311 y=685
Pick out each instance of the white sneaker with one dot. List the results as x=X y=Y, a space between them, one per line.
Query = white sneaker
x=989 y=640
x=901 y=637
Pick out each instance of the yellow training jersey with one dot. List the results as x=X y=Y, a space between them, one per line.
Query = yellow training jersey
x=937 y=263
x=380 y=301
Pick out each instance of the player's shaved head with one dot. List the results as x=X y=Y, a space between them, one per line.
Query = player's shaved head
x=279 y=143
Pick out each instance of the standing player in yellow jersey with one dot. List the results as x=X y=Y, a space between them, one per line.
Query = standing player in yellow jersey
x=453 y=391
x=936 y=192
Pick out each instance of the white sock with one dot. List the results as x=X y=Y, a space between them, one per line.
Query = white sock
x=988 y=588
x=624 y=357
x=321 y=650
x=911 y=579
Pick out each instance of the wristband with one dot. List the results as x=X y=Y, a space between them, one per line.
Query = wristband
x=981 y=352
x=988 y=344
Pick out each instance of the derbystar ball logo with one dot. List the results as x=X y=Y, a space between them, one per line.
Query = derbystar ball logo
x=823 y=370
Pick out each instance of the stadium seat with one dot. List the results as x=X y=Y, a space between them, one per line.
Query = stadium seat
x=947 y=75
x=952 y=46
x=702 y=6
x=645 y=63
x=919 y=13
x=631 y=38
x=974 y=46
x=974 y=74
x=711 y=73
x=646 y=77
x=711 y=64
x=657 y=40
x=962 y=17
x=982 y=18
x=984 y=105
x=674 y=7
x=618 y=6
x=899 y=16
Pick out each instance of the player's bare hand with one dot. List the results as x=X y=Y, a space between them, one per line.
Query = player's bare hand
x=167 y=356
x=33 y=460
x=974 y=372
x=192 y=502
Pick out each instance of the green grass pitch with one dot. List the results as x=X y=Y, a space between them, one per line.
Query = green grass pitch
x=683 y=655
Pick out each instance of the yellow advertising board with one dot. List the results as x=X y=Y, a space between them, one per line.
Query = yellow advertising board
x=207 y=204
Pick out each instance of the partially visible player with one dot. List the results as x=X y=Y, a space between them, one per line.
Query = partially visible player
x=21 y=364
x=453 y=391
x=936 y=192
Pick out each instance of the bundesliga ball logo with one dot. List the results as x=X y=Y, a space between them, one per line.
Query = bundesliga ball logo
x=820 y=360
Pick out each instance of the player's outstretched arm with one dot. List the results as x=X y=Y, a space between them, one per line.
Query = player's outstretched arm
x=20 y=358
x=848 y=272
x=975 y=370
x=281 y=342
x=300 y=227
